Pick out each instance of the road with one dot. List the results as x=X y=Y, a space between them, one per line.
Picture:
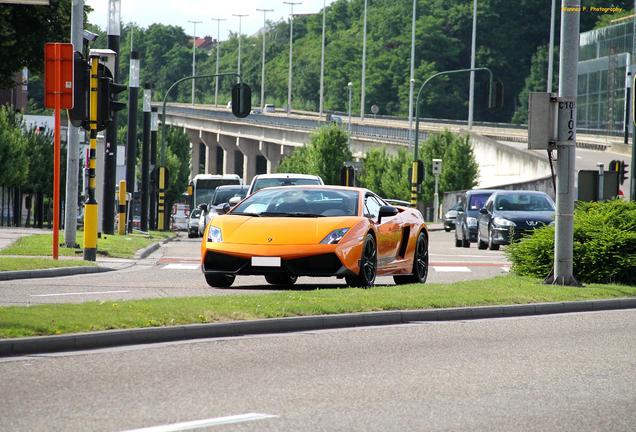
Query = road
x=574 y=372
x=174 y=271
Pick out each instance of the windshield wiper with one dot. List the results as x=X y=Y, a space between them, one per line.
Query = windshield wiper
x=290 y=214
x=245 y=214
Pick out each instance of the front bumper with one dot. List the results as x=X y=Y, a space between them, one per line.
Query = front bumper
x=506 y=235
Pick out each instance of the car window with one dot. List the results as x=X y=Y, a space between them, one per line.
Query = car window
x=523 y=202
x=371 y=207
x=298 y=202
x=477 y=201
x=271 y=182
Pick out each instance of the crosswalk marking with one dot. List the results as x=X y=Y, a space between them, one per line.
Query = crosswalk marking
x=182 y=267
x=449 y=269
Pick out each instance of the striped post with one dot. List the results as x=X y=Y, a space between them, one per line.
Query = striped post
x=90 y=208
x=162 y=199
x=121 y=221
x=414 y=175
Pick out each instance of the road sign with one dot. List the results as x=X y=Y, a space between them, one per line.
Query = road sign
x=58 y=75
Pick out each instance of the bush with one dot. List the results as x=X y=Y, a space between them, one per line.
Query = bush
x=604 y=245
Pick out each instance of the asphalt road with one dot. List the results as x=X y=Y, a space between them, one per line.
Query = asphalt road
x=574 y=372
x=173 y=271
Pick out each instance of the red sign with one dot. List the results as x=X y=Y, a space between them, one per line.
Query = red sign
x=58 y=75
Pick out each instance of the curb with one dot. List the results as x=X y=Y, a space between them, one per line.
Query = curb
x=143 y=253
x=53 y=272
x=111 y=338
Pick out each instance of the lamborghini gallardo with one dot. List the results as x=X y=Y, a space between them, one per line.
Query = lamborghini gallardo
x=286 y=232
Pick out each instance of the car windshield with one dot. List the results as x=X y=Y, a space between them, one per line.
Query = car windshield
x=477 y=201
x=262 y=183
x=299 y=202
x=523 y=202
x=223 y=195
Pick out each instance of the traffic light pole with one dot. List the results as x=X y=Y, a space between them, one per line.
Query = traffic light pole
x=154 y=120
x=90 y=208
x=145 y=159
x=131 y=148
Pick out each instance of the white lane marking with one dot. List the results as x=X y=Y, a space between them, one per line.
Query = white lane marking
x=78 y=293
x=197 y=424
x=448 y=269
x=182 y=267
x=468 y=256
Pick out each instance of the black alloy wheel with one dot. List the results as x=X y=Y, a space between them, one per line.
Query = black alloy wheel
x=281 y=279
x=420 y=263
x=220 y=280
x=368 y=265
x=491 y=244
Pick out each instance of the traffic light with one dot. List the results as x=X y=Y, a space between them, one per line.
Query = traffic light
x=614 y=166
x=106 y=103
x=241 y=100
x=622 y=172
x=348 y=175
x=420 y=173
x=81 y=77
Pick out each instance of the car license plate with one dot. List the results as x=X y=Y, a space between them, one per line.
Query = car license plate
x=266 y=261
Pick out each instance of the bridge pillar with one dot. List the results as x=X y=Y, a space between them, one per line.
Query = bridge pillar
x=228 y=144
x=249 y=148
x=272 y=153
x=195 y=154
x=211 y=145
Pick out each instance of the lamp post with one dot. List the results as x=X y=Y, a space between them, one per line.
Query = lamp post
x=471 y=97
x=551 y=47
x=364 y=61
x=322 y=60
x=350 y=86
x=218 y=48
x=240 y=17
x=194 y=53
x=412 y=78
x=291 y=41
x=263 y=62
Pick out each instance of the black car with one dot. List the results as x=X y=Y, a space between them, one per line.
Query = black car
x=470 y=202
x=509 y=215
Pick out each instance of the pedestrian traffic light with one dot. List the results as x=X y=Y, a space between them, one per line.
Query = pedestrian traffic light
x=241 y=100
x=81 y=77
x=622 y=172
x=348 y=175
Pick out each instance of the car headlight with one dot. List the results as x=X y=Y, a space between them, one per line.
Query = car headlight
x=214 y=235
x=471 y=221
x=503 y=222
x=335 y=236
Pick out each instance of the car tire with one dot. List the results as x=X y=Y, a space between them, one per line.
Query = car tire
x=481 y=244
x=220 y=280
x=368 y=265
x=447 y=229
x=420 y=264
x=491 y=244
x=458 y=242
x=465 y=241
x=281 y=279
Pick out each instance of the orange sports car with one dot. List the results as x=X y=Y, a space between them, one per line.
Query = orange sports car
x=292 y=231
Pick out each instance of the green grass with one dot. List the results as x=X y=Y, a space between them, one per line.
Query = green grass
x=12 y=263
x=109 y=245
x=71 y=318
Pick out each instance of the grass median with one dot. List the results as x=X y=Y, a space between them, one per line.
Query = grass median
x=31 y=263
x=71 y=318
x=109 y=245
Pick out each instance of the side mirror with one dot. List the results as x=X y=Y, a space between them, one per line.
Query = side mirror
x=483 y=210
x=203 y=207
x=234 y=201
x=223 y=208
x=386 y=211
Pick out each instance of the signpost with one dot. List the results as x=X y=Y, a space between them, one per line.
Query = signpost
x=58 y=94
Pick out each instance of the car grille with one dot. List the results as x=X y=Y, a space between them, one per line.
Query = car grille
x=215 y=261
x=319 y=265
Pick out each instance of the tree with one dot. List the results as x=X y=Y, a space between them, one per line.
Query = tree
x=13 y=149
x=295 y=162
x=373 y=169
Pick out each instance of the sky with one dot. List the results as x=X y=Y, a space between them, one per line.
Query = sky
x=146 y=12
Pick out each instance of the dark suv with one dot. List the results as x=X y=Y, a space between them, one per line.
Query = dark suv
x=470 y=202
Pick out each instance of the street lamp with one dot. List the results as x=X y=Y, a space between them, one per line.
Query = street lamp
x=364 y=61
x=322 y=60
x=471 y=97
x=350 y=85
x=551 y=47
x=194 y=53
x=263 y=63
x=412 y=79
x=218 y=47
x=291 y=40
x=239 y=41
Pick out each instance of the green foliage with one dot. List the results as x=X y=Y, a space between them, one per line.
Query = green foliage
x=385 y=174
x=459 y=168
x=40 y=147
x=604 y=245
x=325 y=155
x=177 y=161
x=13 y=149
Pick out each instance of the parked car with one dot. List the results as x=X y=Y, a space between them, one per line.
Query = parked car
x=470 y=202
x=230 y=194
x=510 y=215
x=450 y=216
x=179 y=217
x=261 y=181
x=193 y=223
x=269 y=108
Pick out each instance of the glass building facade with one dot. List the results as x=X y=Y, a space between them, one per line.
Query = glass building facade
x=603 y=57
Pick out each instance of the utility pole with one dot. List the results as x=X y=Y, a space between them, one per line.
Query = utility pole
x=412 y=78
x=194 y=54
x=240 y=17
x=145 y=159
x=131 y=151
x=364 y=62
x=218 y=47
x=551 y=47
x=291 y=41
x=471 y=96
x=154 y=127
x=263 y=62
x=566 y=145
x=73 y=150
x=110 y=147
x=350 y=86
x=322 y=60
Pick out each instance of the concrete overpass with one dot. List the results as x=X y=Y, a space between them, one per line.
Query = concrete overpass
x=257 y=143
